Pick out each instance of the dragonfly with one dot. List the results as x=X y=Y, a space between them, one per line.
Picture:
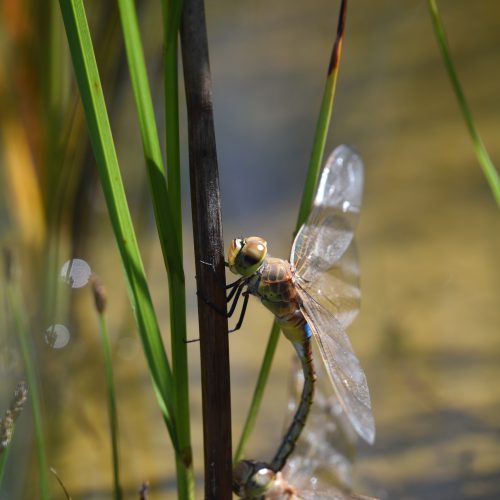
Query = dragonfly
x=327 y=445
x=279 y=488
x=314 y=295
x=321 y=464
x=320 y=467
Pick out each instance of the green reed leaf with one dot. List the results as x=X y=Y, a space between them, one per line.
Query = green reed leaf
x=168 y=216
x=90 y=88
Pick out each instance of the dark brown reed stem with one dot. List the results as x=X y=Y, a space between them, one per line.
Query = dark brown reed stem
x=209 y=254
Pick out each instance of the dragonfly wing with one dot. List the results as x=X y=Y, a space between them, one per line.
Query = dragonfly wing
x=323 y=253
x=331 y=494
x=337 y=289
x=342 y=366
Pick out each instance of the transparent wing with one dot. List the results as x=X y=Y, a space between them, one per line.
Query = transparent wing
x=323 y=253
x=337 y=288
x=289 y=485
x=342 y=366
x=331 y=494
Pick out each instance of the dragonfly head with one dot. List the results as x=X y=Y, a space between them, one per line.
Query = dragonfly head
x=246 y=255
x=252 y=479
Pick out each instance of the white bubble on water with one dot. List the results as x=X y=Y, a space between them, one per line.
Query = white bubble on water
x=57 y=336
x=76 y=273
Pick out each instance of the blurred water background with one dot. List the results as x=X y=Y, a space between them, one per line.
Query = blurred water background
x=429 y=242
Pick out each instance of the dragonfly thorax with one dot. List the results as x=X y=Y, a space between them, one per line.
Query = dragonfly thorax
x=274 y=284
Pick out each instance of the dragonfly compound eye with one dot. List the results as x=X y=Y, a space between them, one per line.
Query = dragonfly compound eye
x=246 y=255
x=252 y=479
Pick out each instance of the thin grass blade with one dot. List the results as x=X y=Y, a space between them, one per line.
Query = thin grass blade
x=482 y=155
x=100 y=305
x=61 y=484
x=16 y=306
x=171 y=10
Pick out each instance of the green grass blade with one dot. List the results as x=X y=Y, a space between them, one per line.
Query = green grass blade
x=168 y=214
x=165 y=221
x=171 y=18
x=318 y=149
x=171 y=10
x=323 y=123
x=16 y=306
x=169 y=224
x=482 y=155
x=89 y=84
x=100 y=304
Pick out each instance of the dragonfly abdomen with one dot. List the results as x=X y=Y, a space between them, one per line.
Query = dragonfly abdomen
x=304 y=352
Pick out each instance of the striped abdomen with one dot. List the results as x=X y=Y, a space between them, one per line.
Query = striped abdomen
x=304 y=352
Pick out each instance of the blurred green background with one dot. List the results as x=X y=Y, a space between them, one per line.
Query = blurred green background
x=429 y=240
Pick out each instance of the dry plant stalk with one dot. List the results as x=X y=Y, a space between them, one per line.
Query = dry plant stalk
x=9 y=419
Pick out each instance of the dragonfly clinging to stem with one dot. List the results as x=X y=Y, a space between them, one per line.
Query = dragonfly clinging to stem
x=280 y=489
x=314 y=295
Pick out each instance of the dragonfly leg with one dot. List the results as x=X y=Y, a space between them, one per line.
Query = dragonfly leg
x=235 y=286
x=211 y=304
x=235 y=299
x=234 y=283
x=219 y=282
x=234 y=296
x=246 y=295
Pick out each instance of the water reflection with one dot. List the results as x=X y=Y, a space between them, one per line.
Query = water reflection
x=57 y=336
x=76 y=273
